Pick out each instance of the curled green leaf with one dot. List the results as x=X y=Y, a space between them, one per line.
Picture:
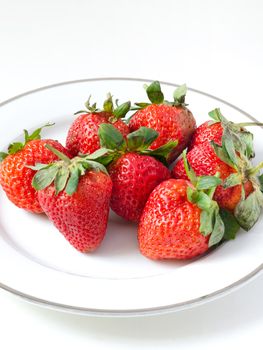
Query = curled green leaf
x=231 y=224
x=207 y=182
x=141 y=139
x=44 y=177
x=154 y=93
x=73 y=181
x=179 y=95
x=3 y=155
x=61 y=179
x=232 y=180
x=188 y=169
x=122 y=110
x=218 y=231
x=248 y=210
x=110 y=137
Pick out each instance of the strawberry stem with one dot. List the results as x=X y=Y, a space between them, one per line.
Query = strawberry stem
x=248 y=124
x=256 y=169
x=59 y=154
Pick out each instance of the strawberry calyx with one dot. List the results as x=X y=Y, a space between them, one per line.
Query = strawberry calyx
x=138 y=141
x=65 y=173
x=15 y=147
x=156 y=96
x=218 y=223
x=242 y=139
x=248 y=210
x=116 y=112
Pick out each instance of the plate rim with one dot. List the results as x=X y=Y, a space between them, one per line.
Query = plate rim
x=142 y=311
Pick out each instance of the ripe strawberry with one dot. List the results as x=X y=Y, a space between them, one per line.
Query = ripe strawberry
x=172 y=120
x=204 y=161
x=240 y=186
x=134 y=176
x=15 y=174
x=75 y=195
x=169 y=226
x=83 y=134
x=133 y=170
x=181 y=221
x=218 y=128
x=207 y=132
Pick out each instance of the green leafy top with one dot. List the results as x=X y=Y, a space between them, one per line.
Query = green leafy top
x=240 y=138
x=138 y=141
x=236 y=151
x=117 y=112
x=18 y=146
x=156 y=96
x=213 y=221
x=64 y=173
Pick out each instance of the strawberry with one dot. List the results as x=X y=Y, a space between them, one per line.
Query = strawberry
x=133 y=170
x=240 y=189
x=15 y=173
x=83 y=137
x=204 y=161
x=75 y=195
x=172 y=120
x=219 y=127
x=181 y=220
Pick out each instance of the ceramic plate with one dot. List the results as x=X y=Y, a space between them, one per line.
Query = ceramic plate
x=39 y=265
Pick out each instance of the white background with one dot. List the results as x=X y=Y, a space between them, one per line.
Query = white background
x=214 y=46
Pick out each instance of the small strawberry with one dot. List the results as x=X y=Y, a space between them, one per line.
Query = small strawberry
x=240 y=187
x=219 y=128
x=15 y=174
x=83 y=134
x=75 y=195
x=172 y=120
x=181 y=220
x=133 y=170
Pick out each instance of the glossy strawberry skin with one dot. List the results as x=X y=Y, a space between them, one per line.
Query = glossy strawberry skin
x=206 y=133
x=134 y=177
x=83 y=134
x=204 y=161
x=172 y=123
x=16 y=178
x=169 y=225
x=82 y=217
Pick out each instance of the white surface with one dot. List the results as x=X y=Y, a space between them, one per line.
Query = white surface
x=214 y=46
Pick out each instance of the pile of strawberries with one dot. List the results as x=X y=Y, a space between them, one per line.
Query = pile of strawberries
x=127 y=164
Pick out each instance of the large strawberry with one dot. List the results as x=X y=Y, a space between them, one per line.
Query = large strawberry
x=172 y=120
x=133 y=169
x=83 y=134
x=15 y=173
x=219 y=128
x=181 y=220
x=240 y=192
x=75 y=195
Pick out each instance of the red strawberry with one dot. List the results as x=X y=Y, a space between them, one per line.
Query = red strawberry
x=134 y=176
x=133 y=170
x=78 y=201
x=181 y=221
x=207 y=132
x=240 y=187
x=204 y=161
x=83 y=134
x=15 y=175
x=218 y=128
x=173 y=121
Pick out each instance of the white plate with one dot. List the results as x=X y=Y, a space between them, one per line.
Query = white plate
x=39 y=265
